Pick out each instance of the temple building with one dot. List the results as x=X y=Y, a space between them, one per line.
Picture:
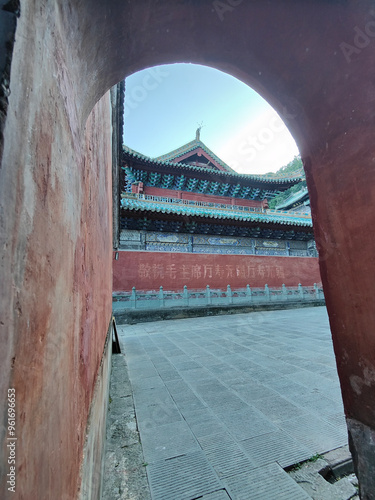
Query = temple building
x=190 y=202
x=187 y=199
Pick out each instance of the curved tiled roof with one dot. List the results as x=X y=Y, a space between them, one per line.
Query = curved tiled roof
x=271 y=217
x=131 y=154
x=197 y=143
x=190 y=146
x=293 y=198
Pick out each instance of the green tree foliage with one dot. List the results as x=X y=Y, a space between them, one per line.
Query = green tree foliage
x=293 y=167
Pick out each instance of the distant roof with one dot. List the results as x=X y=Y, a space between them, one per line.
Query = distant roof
x=159 y=162
x=294 y=199
x=196 y=144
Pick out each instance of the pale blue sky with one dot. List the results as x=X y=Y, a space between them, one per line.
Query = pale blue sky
x=165 y=105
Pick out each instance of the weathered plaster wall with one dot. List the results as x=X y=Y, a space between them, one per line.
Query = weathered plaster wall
x=92 y=468
x=150 y=270
x=56 y=244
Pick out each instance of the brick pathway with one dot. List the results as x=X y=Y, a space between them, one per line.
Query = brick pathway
x=225 y=403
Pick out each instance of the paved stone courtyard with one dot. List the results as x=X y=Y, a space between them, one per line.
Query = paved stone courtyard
x=223 y=404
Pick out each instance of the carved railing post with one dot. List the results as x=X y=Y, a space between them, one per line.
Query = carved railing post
x=300 y=290
x=161 y=297
x=185 y=296
x=284 y=292
x=248 y=293
x=267 y=293
x=133 y=298
x=229 y=295
x=208 y=295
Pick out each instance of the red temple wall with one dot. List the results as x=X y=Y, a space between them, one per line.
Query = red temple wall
x=185 y=195
x=150 y=270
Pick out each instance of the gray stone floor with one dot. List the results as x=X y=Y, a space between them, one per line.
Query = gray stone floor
x=223 y=404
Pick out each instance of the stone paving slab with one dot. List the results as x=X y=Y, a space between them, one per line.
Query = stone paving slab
x=315 y=433
x=239 y=396
x=152 y=416
x=268 y=482
x=225 y=455
x=182 y=478
x=203 y=422
x=167 y=441
x=275 y=447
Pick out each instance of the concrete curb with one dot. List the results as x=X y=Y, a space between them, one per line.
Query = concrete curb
x=125 y=475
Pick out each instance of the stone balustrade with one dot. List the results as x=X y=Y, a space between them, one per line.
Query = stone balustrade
x=161 y=299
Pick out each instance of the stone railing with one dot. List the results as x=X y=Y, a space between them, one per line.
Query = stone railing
x=214 y=297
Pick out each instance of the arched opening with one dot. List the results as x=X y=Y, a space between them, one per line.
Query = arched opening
x=186 y=370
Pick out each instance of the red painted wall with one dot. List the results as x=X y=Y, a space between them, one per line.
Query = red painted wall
x=56 y=256
x=208 y=198
x=150 y=270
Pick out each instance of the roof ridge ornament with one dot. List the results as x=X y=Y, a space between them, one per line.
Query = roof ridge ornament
x=198 y=132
